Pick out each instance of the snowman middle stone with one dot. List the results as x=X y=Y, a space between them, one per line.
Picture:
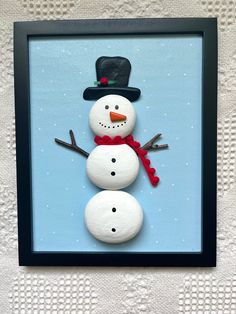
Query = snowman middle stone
x=116 y=216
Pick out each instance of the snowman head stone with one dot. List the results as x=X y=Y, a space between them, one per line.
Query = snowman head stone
x=113 y=114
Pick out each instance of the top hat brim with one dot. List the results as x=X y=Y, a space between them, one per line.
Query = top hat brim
x=94 y=93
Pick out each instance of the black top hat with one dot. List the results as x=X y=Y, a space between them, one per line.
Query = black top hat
x=112 y=78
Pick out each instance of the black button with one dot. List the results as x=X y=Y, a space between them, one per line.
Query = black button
x=113 y=173
x=113 y=230
x=113 y=160
x=114 y=209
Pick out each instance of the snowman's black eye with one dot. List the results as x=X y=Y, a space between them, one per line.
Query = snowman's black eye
x=106 y=107
x=116 y=107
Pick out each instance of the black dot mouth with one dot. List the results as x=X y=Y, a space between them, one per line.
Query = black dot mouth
x=112 y=126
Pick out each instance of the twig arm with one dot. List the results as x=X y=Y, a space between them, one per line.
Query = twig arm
x=73 y=145
x=150 y=145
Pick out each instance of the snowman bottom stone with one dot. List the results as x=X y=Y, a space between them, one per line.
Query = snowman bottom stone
x=113 y=216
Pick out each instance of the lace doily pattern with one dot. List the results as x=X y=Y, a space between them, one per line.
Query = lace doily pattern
x=138 y=294
x=6 y=59
x=205 y=294
x=225 y=10
x=8 y=220
x=32 y=293
x=226 y=147
x=227 y=78
x=226 y=236
x=48 y=9
x=137 y=8
x=11 y=139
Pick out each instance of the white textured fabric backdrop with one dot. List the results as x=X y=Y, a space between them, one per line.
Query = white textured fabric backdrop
x=120 y=290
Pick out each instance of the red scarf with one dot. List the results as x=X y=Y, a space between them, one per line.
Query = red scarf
x=129 y=140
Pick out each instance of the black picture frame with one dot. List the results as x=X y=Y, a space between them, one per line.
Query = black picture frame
x=207 y=27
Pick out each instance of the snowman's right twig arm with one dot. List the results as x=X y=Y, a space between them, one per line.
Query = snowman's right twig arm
x=73 y=145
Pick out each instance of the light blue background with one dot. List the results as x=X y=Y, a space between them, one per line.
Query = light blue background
x=168 y=71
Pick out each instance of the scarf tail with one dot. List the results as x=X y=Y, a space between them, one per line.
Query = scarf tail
x=150 y=171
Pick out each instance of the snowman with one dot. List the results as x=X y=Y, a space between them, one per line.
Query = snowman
x=112 y=215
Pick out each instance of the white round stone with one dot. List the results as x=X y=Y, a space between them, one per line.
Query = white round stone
x=112 y=167
x=113 y=216
x=99 y=116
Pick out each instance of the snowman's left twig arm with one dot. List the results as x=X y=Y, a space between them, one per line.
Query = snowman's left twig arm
x=73 y=145
x=150 y=145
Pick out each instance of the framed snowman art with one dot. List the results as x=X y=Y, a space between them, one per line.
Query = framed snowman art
x=116 y=142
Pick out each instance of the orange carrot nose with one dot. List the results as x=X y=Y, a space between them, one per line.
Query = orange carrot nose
x=114 y=116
